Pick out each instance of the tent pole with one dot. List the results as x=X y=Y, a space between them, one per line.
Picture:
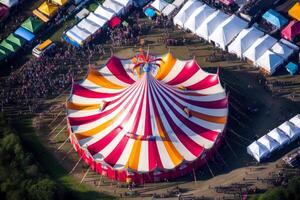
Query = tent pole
x=57 y=126
x=209 y=168
x=75 y=165
x=195 y=178
x=85 y=174
x=58 y=133
x=62 y=144
x=55 y=118
x=230 y=148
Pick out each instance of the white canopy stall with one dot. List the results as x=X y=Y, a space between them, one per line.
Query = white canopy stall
x=244 y=40
x=296 y=120
x=90 y=26
x=210 y=24
x=178 y=3
x=258 y=151
x=227 y=30
x=269 y=61
x=9 y=3
x=185 y=12
x=169 y=9
x=282 y=50
x=106 y=13
x=198 y=16
x=114 y=6
x=279 y=136
x=96 y=19
x=290 y=130
x=261 y=45
x=269 y=143
x=159 y=5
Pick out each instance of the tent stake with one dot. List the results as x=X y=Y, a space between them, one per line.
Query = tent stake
x=85 y=174
x=62 y=144
x=75 y=165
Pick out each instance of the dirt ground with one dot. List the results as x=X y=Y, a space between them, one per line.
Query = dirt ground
x=248 y=91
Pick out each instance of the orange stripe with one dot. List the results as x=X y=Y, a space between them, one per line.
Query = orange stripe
x=219 y=120
x=166 y=66
x=77 y=106
x=97 y=78
x=134 y=157
x=172 y=151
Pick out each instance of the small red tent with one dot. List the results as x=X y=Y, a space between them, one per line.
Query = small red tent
x=291 y=30
x=227 y=2
x=115 y=21
x=3 y=12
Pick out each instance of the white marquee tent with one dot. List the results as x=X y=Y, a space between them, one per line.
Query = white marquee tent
x=210 y=24
x=178 y=3
x=279 y=136
x=261 y=45
x=282 y=50
x=124 y=3
x=244 y=40
x=185 y=12
x=115 y=6
x=168 y=10
x=91 y=27
x=296 y=120
x=227 y=30
x=290 y=129
x=258 y=151
x=197 y=17
x=104 y=12
x=159 y=5
x=77 y=34
x=96 y=19
x=269 y=143
x=269 y=61
x=9 y=3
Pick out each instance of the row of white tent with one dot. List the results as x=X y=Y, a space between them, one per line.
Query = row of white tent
x=9 y=3
x=284 y=134
x=97 y=19
x=166 y=8
x=231 y=33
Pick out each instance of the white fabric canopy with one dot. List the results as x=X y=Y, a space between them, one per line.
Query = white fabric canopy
x=269 y=143
x=210 y=24
x=169 y=9
x=269 y=61
x=116 y=7
x=279 y=136
x=96 y=19
x=258 y=151
x=104 y=12
x=185 y=12
x=124 y=3
x=244 y=40
x=77 y=34
x=178 y=3
x=282 y=50
x=89 y=26
x=296 y=120
x=197 y=17
x=227 y=30
x=261 y=45
x=289 y=44
x=9 y=3
x=159 y=5
x=290 y=130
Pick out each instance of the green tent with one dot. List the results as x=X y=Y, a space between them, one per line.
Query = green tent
x=9 y=46
x=3 y=53
x=32 y=24
x=16 y=40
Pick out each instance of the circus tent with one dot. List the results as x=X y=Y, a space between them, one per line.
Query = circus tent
x=147 y=120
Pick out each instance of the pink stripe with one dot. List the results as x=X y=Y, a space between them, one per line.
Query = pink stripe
x=192 y=146
x=76 y=121
x=114 y=156
x=189 y=69
x=115 y=66
x=209 y=81
x=84 y=92
x=154 y=158
x=193 y=126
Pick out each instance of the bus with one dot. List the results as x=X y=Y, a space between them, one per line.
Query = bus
x=42 y=48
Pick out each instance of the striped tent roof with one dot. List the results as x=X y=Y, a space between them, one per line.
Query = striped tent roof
x=147 y=118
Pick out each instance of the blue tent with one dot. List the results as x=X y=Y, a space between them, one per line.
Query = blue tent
x=292 y=68
x=275 y=18
x=24 y=34
x=149 y=12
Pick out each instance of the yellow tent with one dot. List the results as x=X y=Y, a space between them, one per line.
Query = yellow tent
x=295 y=11
x=60 y=2
x=48 y=9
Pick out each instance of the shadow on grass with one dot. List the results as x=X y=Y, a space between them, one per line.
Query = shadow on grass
x=51 y=166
